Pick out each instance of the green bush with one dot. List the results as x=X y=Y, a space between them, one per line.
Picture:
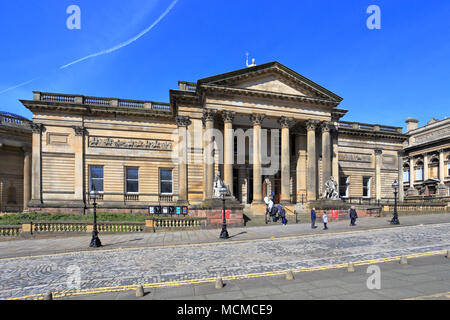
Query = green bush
x=19 y=218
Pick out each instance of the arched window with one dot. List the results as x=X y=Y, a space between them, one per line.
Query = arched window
x=406 y=173
x=433 y=168
x=419 y=171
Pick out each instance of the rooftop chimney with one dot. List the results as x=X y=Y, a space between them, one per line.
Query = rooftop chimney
x=411 y=124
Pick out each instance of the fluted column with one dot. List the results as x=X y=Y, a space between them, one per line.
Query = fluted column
x=335 y=157
x=228 y=142
x=182 y=123
x=326 y=151
x=26 y=178
x=208 y=116
x=36 y=192
x=257 y=178
x=311 y=180
x=285 y=160
x=401 y=190
x=300 y=144
x=441 y=166
x=378 y=155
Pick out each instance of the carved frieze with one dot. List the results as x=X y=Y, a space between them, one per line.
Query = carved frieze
x=355 y=157
x=126 y=143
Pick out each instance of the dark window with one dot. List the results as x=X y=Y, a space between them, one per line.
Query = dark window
x=12 y=195
x=132 y=180
x=366 y=187
x=165 y=178
x=96 y=178
x=343 y=187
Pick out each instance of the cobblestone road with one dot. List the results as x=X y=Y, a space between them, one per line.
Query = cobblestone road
x=25 y=276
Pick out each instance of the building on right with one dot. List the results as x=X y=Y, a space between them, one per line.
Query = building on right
x=426 y=159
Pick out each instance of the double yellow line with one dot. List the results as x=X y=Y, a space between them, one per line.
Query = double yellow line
x=72 y=293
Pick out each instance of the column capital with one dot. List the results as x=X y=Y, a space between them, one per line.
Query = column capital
x=208 y=114
x=285 y=122
x=257 y=119
x=311 y=125
x=26 y=150
x=79 y=131
x=378 y=152
x=183 y=121
x=228 y=116
x=326 y=126
x=37 y=127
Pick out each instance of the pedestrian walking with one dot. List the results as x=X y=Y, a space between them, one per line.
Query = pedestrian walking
x=313 y=218
x=353 y=216
x=325 y=220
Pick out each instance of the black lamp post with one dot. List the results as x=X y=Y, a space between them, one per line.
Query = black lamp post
x=395 y=218
x=95 y=242
x=224 y=234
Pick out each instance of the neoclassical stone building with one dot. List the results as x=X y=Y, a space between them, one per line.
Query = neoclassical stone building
x=264 y=129
x=426 y=160
x=15 y=162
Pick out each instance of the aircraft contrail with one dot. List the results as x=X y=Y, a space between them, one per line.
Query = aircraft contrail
x=115 y=48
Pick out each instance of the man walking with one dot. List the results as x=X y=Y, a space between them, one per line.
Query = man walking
x=353 y=216
x=313 y=218
x=325 y=220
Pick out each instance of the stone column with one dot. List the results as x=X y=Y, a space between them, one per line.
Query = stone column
x=208 y=116
x=412 y=190
x=326 y=151
x=257 y=178
x=26 y=178
x=78 y=150
x=36 y=192
x=335 y=157
x=228 y=142
x=300 y=144
x=425 y=167
x=285 y=160
x=442 y=190
x=378 y=163
x=401 y=191
x=182 y=123
x=311 y=179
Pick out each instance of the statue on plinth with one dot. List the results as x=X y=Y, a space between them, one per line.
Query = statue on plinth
x=331 y=190
x=218 y=184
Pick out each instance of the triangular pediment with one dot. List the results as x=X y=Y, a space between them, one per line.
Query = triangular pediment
x=271 y=77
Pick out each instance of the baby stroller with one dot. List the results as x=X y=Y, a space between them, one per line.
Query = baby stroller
x=278 y=213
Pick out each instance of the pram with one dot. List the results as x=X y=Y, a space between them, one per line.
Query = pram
x=277 y=213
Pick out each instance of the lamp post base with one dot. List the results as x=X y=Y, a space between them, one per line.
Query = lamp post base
x=95 y=242
x=224 y=234
x=395 y=221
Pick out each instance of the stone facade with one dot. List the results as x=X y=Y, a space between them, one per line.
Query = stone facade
x=15 y=162
x=264 y=128
x=426 y=159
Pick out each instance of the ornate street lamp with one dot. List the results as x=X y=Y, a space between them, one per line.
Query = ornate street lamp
x=95 y=242
x=395 y=218
x=224 y=234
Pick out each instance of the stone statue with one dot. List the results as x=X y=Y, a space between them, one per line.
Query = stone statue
x=253 y=62
x=218 y=184
x=331 y=192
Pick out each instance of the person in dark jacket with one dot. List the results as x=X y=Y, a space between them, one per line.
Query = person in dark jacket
x=313 y=218
x=353 y=216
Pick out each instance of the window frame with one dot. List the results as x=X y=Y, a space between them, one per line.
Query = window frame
x=347 y=188
x=160 y=181
x=103 y=178
x=368 y=187
x=126 y=180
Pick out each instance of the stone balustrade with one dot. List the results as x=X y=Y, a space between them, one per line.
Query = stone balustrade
x=10 y=231
x=125 y=227
x=173 y=223
x=368 y=127
x=102 y=101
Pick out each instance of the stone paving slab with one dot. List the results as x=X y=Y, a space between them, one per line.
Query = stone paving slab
x=131 y=266
x=20 y=248
x=351 y=286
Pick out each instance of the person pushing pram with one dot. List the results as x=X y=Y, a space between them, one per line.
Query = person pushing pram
x=275 y=211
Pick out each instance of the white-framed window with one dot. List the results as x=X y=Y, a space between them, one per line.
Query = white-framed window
x=132 y=180
x=166 y=181
x=366 y=187
x=344 y=183
x=448 y=169
x=406 y=176
x=96 y=178
x=419 y=174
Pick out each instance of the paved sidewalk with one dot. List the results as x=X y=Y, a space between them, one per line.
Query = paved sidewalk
x=426 y=278
x=33 y=247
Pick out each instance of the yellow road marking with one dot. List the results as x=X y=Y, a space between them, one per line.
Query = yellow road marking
x=432 y=296
x=62 y=294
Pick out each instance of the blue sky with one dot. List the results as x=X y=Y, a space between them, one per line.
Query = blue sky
x=384 y=76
